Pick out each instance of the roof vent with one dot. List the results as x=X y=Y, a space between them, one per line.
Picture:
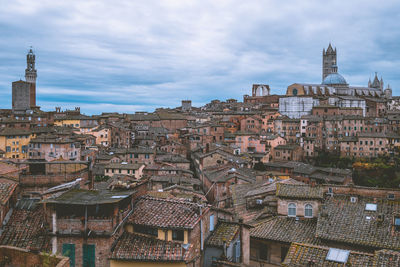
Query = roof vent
x=371 y=207
x=338 y=255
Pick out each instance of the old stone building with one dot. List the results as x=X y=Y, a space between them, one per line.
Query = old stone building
x=24 y=93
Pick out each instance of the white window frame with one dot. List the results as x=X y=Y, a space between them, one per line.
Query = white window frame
x=290 y=206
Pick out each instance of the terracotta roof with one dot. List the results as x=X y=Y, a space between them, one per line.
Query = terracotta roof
x=226 y=172
x=387 y=258
x=90 y=197
x=299 y=191
x=165 y=213
x=312 y=255
x=6 y=190
x=14 y=131
x=6 y=168
x=225 y=231
x=26 y=227
x=344 y=221
x=139 y=247
x=286 y=229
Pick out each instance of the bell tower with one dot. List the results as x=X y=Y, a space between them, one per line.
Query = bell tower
x=30 y=76
x=329 y=61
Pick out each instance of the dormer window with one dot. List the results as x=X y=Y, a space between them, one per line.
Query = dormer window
x=353 y=199
x=292 y=210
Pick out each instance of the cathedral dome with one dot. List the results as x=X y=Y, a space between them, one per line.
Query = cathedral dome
x=334 y=78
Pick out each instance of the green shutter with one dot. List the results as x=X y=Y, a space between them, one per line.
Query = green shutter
x=88 y=255
x=68 y=250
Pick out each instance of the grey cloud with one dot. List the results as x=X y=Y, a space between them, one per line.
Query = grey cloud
x=142 y=54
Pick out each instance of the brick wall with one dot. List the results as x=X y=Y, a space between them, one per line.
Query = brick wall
x=12 y=256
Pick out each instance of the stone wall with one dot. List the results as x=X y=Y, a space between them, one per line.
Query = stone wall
x=21 y=95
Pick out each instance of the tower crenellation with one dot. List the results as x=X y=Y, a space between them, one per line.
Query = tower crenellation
x=30 y=71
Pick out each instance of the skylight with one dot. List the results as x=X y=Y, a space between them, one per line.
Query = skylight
x=370 y=207
x=338 y=255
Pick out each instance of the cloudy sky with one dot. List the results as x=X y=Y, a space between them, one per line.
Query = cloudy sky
x=129 y=56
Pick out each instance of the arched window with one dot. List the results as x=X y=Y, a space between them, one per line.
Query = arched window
x=294 y=92
x=308 y=211
x=292 y=210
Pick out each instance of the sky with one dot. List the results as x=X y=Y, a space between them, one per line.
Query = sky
x=127 y=56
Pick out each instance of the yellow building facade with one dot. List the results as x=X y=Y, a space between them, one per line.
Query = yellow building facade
x=15 y=142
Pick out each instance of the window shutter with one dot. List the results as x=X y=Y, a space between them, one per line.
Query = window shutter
x=68 y=250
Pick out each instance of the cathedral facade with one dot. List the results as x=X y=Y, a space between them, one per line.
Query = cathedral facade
x=333 y=83
x=333 y=90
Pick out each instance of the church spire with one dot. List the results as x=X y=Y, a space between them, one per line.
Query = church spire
x=329 y=62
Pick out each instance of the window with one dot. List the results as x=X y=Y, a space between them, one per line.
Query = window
x=292 y=210
x=263 y=252
x=308 y=211
x=68 y=250
x=177 y=235
x=284 y=252
x=146 y=230
x=236 y=251
x=397 y=223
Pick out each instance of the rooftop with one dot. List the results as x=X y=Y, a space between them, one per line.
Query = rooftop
x=138 y=247
x=165 y=213
x=347 y=221
x=224 y=232
x=312 y=255
x=89 y=197
x=286 y=229
x=299 y=191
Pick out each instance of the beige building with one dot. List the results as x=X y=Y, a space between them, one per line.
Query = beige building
x=124 y=168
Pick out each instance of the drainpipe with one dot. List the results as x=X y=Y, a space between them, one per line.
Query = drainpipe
x=85 y=220
x=201 y=228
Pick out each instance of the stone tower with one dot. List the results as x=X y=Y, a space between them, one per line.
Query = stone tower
x=329 y=61
x=30 y=76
